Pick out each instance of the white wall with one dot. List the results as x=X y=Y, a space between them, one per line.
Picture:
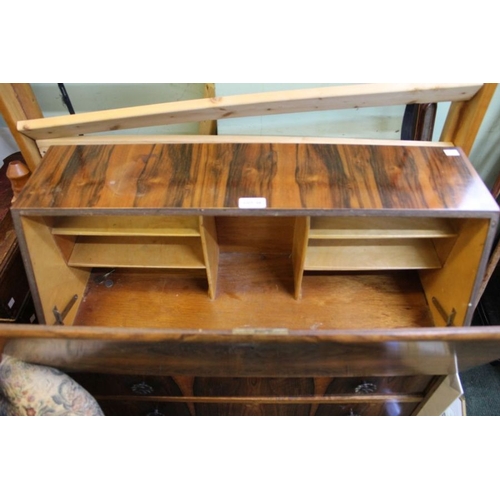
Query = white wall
x=101 y=96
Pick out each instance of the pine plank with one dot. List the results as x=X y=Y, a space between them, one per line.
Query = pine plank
x=258 y=104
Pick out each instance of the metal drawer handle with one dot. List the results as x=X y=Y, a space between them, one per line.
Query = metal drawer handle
x=142 y=389
x=366 y=388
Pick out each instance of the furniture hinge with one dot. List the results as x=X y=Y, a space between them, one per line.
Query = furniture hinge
x=448 y=318
x=61 y=315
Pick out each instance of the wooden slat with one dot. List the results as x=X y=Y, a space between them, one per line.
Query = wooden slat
x=18 y=102
x=379 y=228
x=137 y=252
x=299 y=251
x=45 y=144
x=260 y=104
x=355 y=255
x=273 y=400
x=127 y=226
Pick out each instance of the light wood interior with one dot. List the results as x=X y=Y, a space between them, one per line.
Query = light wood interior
x=164 y=242
x=352 y=255
x=453 y=284
x=56 y=282
x=147 y=252
x=292 y=272
x=369 y=243
x=379 y=228
x=127 y=226
x=255 y=291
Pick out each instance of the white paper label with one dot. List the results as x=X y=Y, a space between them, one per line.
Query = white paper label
x=452 y=152
x=33 y=318
x=11 y=303
x=252 y=203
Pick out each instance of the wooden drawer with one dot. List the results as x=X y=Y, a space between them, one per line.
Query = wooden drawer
x=99 y=384
x=206 y=396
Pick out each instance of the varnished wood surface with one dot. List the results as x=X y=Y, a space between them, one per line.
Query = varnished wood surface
x=341 y=353
x=292 y=177
x=256 y=291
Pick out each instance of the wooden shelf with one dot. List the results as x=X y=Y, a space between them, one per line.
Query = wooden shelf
x=379 y=228
x=139 y=242
x=370 y=243
x=356 y=255
x=128 y=226
x=138 y=252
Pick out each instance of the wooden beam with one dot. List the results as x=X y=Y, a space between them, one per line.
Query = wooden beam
x=259 y=104
x=44 y=144
x=465 y=118
x=208 y=127
x=18 y=102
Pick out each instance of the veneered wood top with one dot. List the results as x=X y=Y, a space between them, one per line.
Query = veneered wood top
x=297 y=178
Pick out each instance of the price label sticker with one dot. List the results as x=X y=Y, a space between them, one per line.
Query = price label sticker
x=452 y=152
x=252 y=203
x=11 y=303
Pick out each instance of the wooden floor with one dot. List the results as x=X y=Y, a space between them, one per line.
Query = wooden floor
x=246 y=284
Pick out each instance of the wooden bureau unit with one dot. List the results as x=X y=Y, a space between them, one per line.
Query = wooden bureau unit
x=319 y=302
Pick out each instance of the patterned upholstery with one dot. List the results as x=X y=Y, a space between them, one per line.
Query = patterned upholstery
x=30 y=390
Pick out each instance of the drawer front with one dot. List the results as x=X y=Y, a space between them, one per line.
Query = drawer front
x=142 y=409
x=379 y=385
x=389 y=409
x=212 y=396
x=127 y=385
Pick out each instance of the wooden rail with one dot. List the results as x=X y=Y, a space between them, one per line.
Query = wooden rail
x=259 y=104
